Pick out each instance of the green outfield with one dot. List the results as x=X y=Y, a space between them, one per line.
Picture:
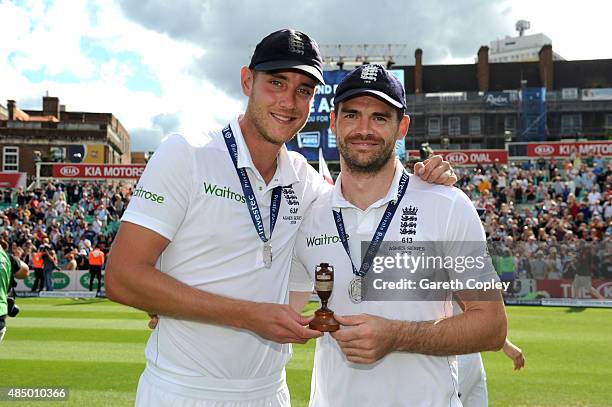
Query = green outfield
x=95 y=348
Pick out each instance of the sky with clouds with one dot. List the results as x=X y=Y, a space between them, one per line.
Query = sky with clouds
x=163 y=66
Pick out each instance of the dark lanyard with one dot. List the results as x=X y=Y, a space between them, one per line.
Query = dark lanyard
x=251 y=201
x=379 y=235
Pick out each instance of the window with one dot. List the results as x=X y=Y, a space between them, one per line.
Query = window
x=433 y=126
x=475 y=125
x=569 y=93
x=571 y=123
x=510 y=124
x=10 y=159
x=609 y=121
x=454 y=126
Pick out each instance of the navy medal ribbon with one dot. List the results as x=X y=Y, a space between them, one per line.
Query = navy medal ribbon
x=251 y=200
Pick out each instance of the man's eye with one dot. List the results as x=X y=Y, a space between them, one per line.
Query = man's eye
x=305 y=91
x=276 y=83
x=349 y=116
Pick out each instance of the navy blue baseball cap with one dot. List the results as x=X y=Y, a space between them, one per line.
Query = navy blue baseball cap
x=373 y=79
x=288 y=49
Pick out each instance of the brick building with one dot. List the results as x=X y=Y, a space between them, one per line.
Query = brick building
x=483 y=105
x=56 y=135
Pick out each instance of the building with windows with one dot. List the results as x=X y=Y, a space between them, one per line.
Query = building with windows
x=56 y=135
x=524 y=48
x=486 y=104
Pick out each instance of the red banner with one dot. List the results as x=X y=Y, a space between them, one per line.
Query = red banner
x=565 y=288
x=471 y=157
x=12 y=179
x=97 y=171
x=567 y=149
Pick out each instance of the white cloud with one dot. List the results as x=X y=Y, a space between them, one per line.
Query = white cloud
x=53 y=45
x=577 y=30
x=48 y=37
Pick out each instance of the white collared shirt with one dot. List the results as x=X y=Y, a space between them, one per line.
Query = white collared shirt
x=190 y=194
x=399 y=379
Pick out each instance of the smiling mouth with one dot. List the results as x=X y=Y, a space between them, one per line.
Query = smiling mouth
x=364 y=144
x=282 y=118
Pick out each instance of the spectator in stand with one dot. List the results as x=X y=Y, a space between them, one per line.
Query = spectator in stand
x=102 y=215
x=82 y=260
x=49 y=266
x=539 y=266
x=555 y=268
x=71 y=265
x=594 y=195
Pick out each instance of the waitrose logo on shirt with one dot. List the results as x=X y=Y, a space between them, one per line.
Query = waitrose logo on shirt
x=222 y=192
x=323 y=240
x=140 y=192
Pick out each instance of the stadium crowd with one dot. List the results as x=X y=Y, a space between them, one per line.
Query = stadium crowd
x=546 y=219
x=59 y=225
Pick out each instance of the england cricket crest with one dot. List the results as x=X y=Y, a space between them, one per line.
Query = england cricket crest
x=408 y=221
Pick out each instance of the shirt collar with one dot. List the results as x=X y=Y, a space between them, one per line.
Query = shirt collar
x=339 y=202
x=286 y=173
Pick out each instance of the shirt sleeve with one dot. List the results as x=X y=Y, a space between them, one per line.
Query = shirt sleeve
x=299 y=278
x=161 y=198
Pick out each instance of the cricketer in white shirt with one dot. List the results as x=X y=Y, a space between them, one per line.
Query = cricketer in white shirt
x=191 y=195
x=399 y=378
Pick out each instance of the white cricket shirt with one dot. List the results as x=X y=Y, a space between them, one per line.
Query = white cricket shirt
x=190 y=194
x=399 y=379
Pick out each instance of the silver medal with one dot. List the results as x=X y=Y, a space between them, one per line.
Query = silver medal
x=354 y=290
x=267 y=254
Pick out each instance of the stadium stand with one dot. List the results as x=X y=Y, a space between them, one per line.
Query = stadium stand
x=71 y=218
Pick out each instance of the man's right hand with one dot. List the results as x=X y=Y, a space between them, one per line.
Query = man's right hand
x=278 y=323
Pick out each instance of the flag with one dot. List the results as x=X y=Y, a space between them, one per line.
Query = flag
x=323 y=170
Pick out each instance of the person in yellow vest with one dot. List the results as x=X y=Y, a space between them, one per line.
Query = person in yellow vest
x=37 y=264
x=96 y=261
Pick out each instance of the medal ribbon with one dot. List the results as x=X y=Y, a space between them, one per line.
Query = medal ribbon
x=247 y=189
x=379 y=235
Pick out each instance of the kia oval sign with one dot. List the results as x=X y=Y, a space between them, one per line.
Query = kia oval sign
x=457 y=158
x=544 y=149
x=69 y=171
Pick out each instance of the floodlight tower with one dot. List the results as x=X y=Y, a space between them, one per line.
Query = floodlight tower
x=521 y=26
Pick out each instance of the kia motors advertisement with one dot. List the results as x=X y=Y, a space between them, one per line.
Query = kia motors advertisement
x=97 y=171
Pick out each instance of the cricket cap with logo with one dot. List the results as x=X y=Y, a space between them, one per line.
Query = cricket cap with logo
x=372 y=79
x=288 y=49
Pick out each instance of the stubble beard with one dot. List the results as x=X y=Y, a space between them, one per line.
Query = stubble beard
x=372 y=165
x=257 y=116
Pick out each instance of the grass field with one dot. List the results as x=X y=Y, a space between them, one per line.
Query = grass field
x=95 y=348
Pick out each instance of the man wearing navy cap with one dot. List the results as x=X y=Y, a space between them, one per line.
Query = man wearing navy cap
x=206 y=243
x=389 y=353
